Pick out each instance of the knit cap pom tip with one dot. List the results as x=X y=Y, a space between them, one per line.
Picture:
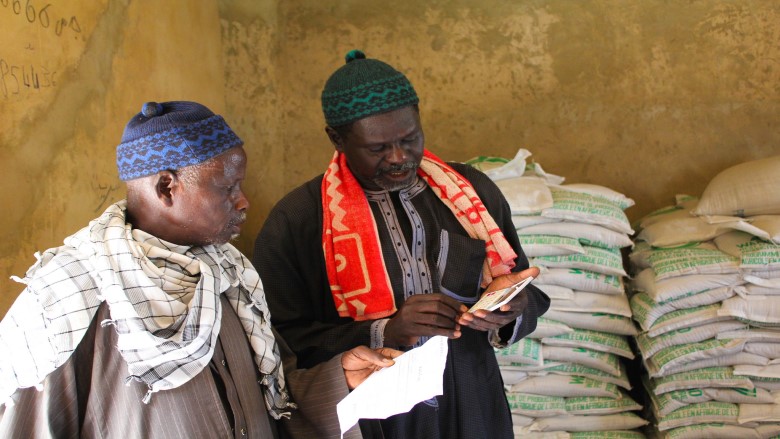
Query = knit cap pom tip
x=355 y=54
x=151 y=109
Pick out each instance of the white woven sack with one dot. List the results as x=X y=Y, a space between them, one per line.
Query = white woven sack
x=600 y=191
x=620 y=421
x=746 y=189
x=498 y=168
x=525 y=195
x=588 y=234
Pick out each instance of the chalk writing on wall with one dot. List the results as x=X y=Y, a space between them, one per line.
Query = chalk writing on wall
x=105 y=191
x=38 y=27
x=16 y=78
x=44 y=16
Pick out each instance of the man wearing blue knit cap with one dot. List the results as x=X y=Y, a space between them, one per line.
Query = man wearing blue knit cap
x=147 y=322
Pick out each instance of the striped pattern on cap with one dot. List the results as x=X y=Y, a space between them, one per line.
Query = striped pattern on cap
x=171 y=135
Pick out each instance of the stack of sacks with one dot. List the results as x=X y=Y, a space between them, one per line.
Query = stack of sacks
x=568 y=379
x=707 y=298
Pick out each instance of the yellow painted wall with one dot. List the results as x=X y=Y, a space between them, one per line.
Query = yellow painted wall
x=650 y=98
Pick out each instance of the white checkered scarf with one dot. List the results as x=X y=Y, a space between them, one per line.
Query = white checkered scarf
x=166 y=337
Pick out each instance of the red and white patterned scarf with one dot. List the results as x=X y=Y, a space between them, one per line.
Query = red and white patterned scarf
x=358 y=278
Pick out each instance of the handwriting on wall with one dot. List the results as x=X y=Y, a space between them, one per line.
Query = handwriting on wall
x=105 y=191
x=18 y=76
x=42 y=16
x=15 y=79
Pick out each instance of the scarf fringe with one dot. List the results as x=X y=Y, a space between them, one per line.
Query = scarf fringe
x=18 y=279
x=148 y=396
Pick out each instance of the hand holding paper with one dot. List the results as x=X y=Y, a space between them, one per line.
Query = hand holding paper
x=506 y=305
x=416 y=376
x=495 y=299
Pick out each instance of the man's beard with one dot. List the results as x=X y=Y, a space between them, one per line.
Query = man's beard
x=393 y=186
x=240 y=219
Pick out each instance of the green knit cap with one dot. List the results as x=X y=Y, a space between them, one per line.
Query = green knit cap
x=364 y=87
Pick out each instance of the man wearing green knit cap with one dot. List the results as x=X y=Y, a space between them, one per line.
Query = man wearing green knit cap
x=402 y=244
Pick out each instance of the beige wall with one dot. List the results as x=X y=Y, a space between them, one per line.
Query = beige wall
x=650 y=98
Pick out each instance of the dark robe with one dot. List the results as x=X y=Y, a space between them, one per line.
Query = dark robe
x=289 y=257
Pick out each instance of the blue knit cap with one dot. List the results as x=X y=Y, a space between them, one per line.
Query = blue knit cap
x=171 y=135
x=364 y=87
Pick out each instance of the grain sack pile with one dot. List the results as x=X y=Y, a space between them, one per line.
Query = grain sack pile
x=706 y=294
x=568 y=379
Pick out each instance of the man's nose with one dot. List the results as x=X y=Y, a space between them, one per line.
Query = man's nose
x=396 y=154
x=242 y=202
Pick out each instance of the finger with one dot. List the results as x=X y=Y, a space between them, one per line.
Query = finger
x=439 y=321
x=430 y=314
x=510 y=279
x=449 y=334
x=437 y=303
x=372 y=357
x=518 y=304
x=483 y=314
x=359 y=358
x=432 y=331
x=425 y=330
x=528 y=272
x=440 y=298
x=412 y=331
x=390 y=353
x=479 y=324
x=454 y=304
x=485 y=320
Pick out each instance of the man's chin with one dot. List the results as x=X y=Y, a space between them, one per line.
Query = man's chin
x=395 y=186
x=222 y=240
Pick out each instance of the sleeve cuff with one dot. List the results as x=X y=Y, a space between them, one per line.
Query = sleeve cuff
x=378 y=333
x=494 y=335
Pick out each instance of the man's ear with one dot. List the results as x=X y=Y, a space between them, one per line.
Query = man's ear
x=165 y=186
x=335 y=139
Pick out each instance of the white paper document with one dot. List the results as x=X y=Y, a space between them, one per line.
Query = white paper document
x=416 y=376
